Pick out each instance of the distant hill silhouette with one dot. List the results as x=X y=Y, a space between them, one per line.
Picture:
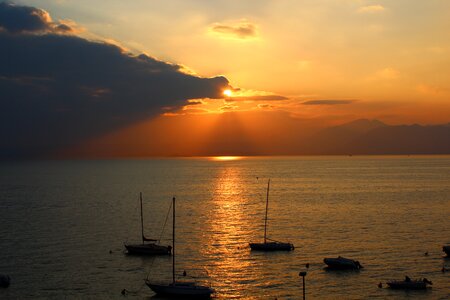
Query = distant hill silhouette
x=374 y=137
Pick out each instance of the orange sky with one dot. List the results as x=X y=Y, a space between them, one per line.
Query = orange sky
x=210 y=134
x=296 y=66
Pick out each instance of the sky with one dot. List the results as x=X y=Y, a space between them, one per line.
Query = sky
x=291 y=66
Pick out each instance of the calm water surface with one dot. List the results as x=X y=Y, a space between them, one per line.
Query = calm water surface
x=60 y=220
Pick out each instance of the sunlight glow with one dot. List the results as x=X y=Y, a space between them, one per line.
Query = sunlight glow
x=225 y=158
x=227 y=93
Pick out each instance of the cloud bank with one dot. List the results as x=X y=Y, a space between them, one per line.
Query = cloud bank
x=58 y=90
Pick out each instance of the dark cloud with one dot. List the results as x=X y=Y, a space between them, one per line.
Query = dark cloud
x=58 y=90
x=14 y=18
x=327 y=102
x=241 y=30
x=195 y=102
x=63 y=28
x=19 y=19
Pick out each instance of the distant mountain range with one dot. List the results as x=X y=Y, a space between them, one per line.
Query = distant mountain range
x=374 y=137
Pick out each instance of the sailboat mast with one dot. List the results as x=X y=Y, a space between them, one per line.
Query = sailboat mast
x=173 y=240
x=142 y=219
x=267 y=208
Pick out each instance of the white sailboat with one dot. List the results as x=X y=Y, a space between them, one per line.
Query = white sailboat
x=146 y=248
x=178 y=288
x=268 y=244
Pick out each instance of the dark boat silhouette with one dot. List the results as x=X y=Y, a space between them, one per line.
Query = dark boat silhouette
x=149 y=248
x=5 y=280
x=176 y=288
x=408 y=284
x=446 y=249
x=342 y=263
x=269 y=244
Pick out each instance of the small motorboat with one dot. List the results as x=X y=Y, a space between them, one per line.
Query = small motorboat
x=408 y=284
x=446 y=249
x=342 y=263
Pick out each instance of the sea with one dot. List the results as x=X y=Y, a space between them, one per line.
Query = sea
x=63 y=225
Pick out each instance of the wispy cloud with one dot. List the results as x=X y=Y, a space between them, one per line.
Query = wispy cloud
x=259 y=98
x=372 y=9
x=242 y=29
x=327 y=102
x=195 y=102
x=228 y=107
x=265 y=106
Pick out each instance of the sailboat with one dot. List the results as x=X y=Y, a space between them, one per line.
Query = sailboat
x=179 y=288
x=268 y=244
x=146 y=248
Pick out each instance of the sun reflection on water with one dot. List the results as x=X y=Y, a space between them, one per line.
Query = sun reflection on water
x=229 y=227
x=225 y=158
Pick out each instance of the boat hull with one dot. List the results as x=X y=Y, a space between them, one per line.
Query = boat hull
x=341 y=263
x=272 y=246
x=184 y=289
x=148 y=249
x=407 y=285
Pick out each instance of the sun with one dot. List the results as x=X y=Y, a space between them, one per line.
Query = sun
x=227 y=93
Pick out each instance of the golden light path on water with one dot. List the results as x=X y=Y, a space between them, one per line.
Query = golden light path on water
x=228 y=229
x=225 y=158
x=235 y=220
